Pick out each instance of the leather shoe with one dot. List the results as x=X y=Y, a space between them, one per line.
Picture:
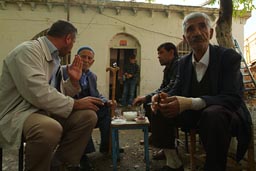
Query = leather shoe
x=159 y=155
x=168 y=168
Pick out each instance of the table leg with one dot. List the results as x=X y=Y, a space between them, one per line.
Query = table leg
x=117 y=145
x=146 y=152
x=114 y=148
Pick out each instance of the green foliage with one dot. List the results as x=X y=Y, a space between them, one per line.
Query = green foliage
x=240 y=7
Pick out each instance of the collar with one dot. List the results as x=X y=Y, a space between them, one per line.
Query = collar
x=53 y=50
x=87 y=73
x=204 y=60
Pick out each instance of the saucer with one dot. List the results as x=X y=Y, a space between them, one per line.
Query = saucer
x=118 y=121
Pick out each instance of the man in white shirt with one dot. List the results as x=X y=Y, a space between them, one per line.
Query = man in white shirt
x=207 y=95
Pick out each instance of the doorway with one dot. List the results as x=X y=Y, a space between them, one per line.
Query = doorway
x=121 y=46
x=121 y=58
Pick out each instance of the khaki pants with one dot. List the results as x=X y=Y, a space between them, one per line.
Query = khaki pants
x=43 y=133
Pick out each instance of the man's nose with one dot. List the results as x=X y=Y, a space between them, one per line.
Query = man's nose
x=197 y=31
x=85 y=59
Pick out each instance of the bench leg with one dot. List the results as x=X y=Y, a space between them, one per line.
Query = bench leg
x=21 y=156
x=1 y=158
x=250 y=153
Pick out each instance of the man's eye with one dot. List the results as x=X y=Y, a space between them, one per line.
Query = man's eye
x=190 y=29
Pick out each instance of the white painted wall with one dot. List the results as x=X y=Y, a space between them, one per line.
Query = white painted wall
x=97 y=30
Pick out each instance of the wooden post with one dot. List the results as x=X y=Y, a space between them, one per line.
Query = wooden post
x=113 y=70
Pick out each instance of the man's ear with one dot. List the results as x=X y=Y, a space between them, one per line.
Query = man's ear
x=68 y=38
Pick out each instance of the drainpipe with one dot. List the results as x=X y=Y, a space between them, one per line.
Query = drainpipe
x=68 y=5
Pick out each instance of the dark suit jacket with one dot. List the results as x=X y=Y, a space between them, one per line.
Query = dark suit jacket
x=170 y=73
x=226 y=88
x=92 y=79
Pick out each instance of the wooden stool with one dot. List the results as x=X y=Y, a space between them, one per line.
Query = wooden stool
x=21 y=157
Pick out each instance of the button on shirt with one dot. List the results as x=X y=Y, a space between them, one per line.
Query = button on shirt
x=201 y=66
x=56 y=60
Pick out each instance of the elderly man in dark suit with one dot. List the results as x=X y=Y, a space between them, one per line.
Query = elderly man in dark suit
x=208 y=95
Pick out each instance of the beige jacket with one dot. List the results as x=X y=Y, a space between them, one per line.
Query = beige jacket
x=25 y=89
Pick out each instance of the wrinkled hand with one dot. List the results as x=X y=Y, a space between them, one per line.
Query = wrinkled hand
x=170 y=108
x=75 y=70
x=91 y=103
x=157 y=99
x=139 y=100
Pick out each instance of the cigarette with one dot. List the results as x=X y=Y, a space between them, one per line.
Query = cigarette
x=152 y=103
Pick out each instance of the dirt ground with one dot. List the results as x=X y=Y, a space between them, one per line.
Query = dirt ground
x=131 y=159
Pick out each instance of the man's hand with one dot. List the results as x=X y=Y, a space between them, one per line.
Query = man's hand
x=170 y=106
x=139 y=100
x=129 y=75
x=75 y=70
x=111 y=103
x=91 y=103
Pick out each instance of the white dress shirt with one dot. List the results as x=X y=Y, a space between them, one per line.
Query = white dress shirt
x=200 y=69
x=201 y=66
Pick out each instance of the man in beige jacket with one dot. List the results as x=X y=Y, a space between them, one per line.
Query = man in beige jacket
x=36 y=103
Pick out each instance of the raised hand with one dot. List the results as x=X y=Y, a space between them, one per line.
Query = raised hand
x=75 y=70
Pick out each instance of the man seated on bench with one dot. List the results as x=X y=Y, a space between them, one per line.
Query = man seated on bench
x=208 y=95
x=88 y=84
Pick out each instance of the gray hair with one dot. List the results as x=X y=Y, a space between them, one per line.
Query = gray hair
x=194 y=15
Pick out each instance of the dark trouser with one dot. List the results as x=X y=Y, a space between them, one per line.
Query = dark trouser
x=104 y=119
x=214 y=124
x=148 y=113
x=129 y=91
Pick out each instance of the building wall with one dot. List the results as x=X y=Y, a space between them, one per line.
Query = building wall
x=250 y=48
x=98 y=23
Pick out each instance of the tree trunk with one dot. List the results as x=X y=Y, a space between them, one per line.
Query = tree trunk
x=224 y=24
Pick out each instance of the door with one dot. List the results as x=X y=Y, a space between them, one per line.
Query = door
x=121 y=58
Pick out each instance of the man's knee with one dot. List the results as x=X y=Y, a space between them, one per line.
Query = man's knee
x=213 y=112
x=215 y=116
x=48 y=131
x=85 y=117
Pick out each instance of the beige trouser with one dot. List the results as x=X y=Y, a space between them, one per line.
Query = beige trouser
x=43 y=133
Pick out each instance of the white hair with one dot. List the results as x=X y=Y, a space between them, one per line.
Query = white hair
x=194 y=15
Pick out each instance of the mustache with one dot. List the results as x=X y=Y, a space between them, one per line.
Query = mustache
x=197 y=38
